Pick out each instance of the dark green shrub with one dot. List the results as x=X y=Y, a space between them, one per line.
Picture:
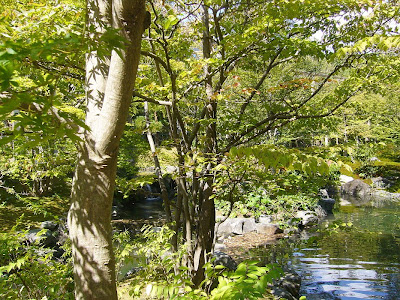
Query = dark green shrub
x=31 y=272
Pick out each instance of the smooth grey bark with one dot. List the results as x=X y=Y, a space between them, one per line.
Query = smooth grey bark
x=109 y=87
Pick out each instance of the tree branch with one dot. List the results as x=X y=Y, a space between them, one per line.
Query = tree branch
x=197 y=126
x=47 y=66
x=156 y=58
x=257 y=86
x=288 y=117
x=326 y=79
x=149 y=99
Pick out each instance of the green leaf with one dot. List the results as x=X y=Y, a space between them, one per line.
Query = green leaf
x=171 y=20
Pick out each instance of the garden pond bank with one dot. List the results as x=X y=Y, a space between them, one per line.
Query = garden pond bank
x=354 y=254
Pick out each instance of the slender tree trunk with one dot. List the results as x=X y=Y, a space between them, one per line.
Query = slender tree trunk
x=109 y=87
x=366 y=139
x=164 y=192
x=206 y=222
x=326 y=141
x=345 y=129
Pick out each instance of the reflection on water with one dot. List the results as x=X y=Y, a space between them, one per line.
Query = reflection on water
x=332 y=278
x=360 y=262
x=150 y=208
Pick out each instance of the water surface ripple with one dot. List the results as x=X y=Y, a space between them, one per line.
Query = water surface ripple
x=360 y=262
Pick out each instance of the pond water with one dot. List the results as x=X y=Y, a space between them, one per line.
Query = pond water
x=359 y=260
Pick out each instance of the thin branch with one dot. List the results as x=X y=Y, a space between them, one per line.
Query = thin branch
x=46 y=67
x=326 y=79
x=290 y=115
x=175 y=27
x=24 y=283
x=257 y=86
x=288 y=118
x=156 y=58
x=149 y=99
x=227 y=66
x=183 y=128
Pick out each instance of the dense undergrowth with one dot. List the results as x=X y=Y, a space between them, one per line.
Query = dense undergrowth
x=30 y=271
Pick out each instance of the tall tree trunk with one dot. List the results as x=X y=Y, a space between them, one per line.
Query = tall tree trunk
x=109 y=87
x=206 y=222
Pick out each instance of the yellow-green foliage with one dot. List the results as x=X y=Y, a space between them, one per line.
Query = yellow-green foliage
x=348 y=172
x=387 y=163
x=167 y=157
x=79 y=113
x=34 y=210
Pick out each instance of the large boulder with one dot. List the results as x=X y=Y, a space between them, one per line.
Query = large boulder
x=269 y=229
x=263 y=219
x=62 y=233
x=45 y=238
x=357 y=188
x=381 y=183
x=385 y=196
x=219 y=247
x=287 y=286
x=307 y=218
x=323 y=193
x=50 y=225
x=225 y=260
x=345 y=179
x=236 y=226
x=52 y=236
x=326 y=205
x=249 y=225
